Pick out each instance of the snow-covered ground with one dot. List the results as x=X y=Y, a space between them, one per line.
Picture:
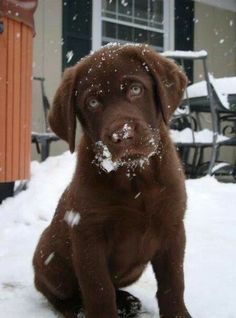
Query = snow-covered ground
x=210 y=263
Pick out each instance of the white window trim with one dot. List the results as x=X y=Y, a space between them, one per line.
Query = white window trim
x=169 y=25
x=135 y=25
x=169 y=31
x=96 y=24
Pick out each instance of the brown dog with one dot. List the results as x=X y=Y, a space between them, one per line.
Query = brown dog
x=126 y=202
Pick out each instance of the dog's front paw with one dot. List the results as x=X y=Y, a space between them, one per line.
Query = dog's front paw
x=127 y=304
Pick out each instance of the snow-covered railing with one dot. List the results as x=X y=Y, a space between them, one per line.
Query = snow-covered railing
x=187 y=55
x=222 y=86
x=225 y=85
x=187 y=135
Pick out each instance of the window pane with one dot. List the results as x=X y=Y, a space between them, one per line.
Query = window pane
x=149 y=37
x=109 y=8
x=122 y=33
x=125 y=10
x=125 y=33
x=156 y=39
x=109 y=30
x=140 y=35
x=141 y=12
x=156 y=13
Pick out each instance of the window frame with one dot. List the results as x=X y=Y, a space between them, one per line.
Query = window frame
x=168 y=27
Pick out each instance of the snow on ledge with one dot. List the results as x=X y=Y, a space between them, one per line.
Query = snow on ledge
x=223 y=87
x=185 y=54
x=222 y=96
x=188 y=136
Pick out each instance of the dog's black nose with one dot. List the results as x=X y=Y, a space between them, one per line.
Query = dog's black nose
x=123 y=133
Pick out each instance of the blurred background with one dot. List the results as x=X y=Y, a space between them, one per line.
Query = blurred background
x=68 y=30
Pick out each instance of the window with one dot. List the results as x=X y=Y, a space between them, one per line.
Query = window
x=89 y=24
x=133 y=21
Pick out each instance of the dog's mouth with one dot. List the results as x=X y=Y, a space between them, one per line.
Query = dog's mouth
x=132 y=158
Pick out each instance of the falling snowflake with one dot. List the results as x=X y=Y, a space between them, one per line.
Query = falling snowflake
x=69 y=56
x=137 y=195
x=124 y=3
x=72 y=218
x=49 y=258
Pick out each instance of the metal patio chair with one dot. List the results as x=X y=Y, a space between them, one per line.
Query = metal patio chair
x=225 y=109
x=43 y=140
x=193 y=152
x=226 y=121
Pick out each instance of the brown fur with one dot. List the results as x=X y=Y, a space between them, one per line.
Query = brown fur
x=131 y=215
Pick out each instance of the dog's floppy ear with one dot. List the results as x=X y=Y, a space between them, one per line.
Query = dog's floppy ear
x=62 y=116
x=170 y=81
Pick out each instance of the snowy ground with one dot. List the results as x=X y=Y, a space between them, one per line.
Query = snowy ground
x=210 y=264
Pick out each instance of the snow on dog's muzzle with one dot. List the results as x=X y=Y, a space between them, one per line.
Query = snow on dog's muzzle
x=126 y=150
x=123 y=134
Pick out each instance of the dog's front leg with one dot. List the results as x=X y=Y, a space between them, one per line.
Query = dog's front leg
x=168 y=268
x=91 y=268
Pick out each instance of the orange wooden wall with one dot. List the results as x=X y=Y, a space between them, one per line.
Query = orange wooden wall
x=15 y=100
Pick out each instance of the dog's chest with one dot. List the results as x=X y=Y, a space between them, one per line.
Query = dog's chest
x=136 y=244
x=133 y=246
x=135 y=237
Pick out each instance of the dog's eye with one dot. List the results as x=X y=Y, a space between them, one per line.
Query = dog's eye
x=93 y=103
x=135 y=90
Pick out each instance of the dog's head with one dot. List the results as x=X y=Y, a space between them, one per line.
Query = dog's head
x=122 y=95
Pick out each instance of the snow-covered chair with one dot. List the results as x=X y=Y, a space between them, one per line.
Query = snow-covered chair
x=224 y=101
x=192 y=140
x=43 y=140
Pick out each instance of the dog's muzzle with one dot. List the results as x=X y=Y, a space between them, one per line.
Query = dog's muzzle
x=127 y=146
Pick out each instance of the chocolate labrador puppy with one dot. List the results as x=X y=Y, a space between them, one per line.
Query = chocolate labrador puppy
x=126 y=202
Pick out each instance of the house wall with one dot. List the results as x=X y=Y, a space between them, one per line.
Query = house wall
x=47 y=62
x=215 y=31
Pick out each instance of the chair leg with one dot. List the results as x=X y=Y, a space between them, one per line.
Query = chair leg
x=37 y=146
x=214 y=156
x=45 y=149
x=194 y=163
